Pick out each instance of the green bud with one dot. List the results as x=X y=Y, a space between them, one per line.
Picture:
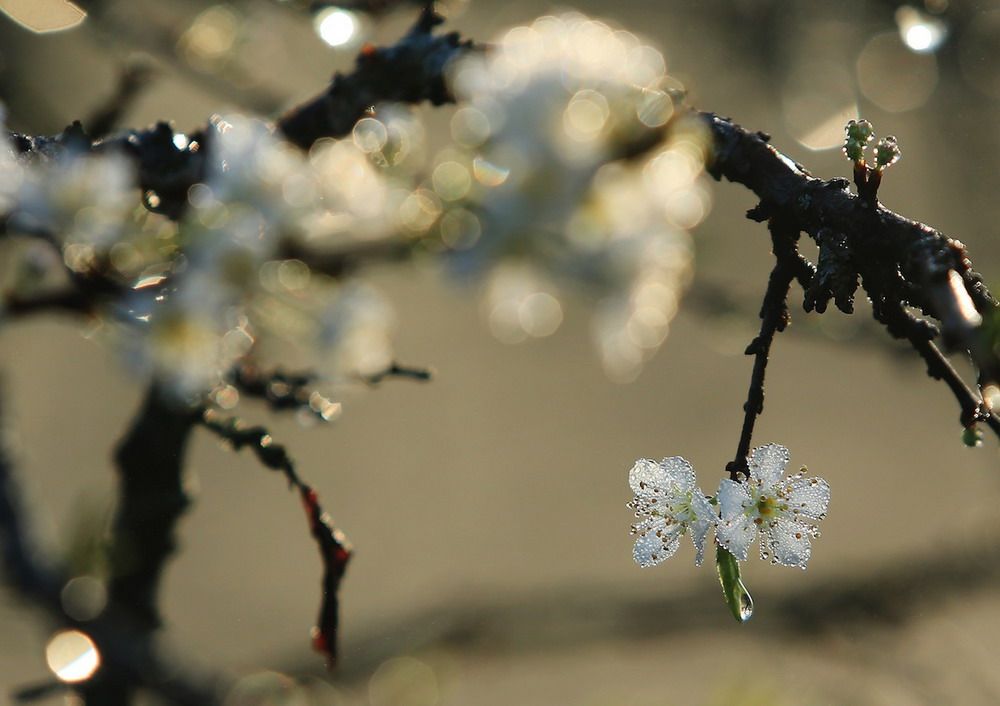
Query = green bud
x=972 y=437
x=854 y=150
x=736 y=594
x=886 y=153
x=860 y=131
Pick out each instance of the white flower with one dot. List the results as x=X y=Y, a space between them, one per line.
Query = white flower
x=783 y=509
x=547 y=117
x=667 y=503
x=11 y=172
x=84 y=199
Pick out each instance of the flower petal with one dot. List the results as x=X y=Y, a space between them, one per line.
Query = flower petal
x=733 y=497
x=646 y=475
x=767 y=463
x=808 y=498
x=656 y=544
x=678 y=472
x=704 y=518
x=735 y=535
x=788 y=543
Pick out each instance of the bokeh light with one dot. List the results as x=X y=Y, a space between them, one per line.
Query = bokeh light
x=84 y=597
x=818 y=99
x=920 y=32
x=403 y=680
x=892 y=76
x=335 y=26
x=72 y=656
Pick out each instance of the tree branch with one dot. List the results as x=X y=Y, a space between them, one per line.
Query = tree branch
x=335 y=549
x=901 y=263
x=774 y=318
x=127 y=653
x=151 y=499
x=410 y=71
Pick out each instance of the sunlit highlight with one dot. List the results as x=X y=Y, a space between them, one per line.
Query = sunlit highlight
x=335 y=26
x=72 y=656
x=893 y=76
x=921 y=33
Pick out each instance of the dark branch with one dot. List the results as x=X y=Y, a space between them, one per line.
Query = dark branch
x=150 y=463
x=335 y=549
x=282 y=391
x=901 y=263
x=411 y=71
x=395 y=370
x=134 y=78
x=127 y=654
x=774 y=318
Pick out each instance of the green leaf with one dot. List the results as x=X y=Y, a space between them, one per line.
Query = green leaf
x=737 y=597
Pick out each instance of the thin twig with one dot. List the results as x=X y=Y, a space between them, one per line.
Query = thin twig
x=335 y=548
x=396 y=370
x=774 y=318
x=134 y=78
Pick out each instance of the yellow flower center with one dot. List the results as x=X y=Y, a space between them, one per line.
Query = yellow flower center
x=766 y=506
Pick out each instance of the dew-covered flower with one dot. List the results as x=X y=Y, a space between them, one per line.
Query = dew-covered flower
x=668 y=504
x=783 y=510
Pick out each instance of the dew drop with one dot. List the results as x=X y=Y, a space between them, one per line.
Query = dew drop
x=746 y=604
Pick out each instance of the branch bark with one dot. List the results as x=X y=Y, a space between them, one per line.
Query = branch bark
x=151 y=499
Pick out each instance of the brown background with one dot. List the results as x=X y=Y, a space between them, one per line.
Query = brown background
x=488 y=506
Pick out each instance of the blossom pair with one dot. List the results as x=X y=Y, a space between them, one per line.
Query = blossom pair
x=668 y=504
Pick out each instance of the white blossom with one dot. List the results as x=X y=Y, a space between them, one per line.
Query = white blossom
x=189 y=338
x=11 y=172
x=80 y=199
x=546 y=118
x=668 y=504
x=782 y=509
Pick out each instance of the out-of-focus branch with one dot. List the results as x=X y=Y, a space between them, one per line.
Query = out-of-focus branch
x=134 y=78
x=334 y=547
x=151 y=499
x=410 y=71
x=397 y=370
x=125 y=648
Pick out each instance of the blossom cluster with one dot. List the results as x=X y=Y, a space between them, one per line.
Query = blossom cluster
x=214 y=287
x=781 y=511
x=548 y=120
x=570 y=166
x=237 y=295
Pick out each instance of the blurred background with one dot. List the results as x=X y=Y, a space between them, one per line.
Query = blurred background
x=493 y=561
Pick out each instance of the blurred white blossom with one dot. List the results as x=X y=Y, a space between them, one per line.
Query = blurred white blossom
x=520 y=302
x=11 y=172
x=79 y=199
x=233 y=295
x=538 y=175
x=189 y=340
